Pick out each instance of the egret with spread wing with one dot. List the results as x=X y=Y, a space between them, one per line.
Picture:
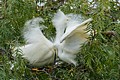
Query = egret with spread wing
x=70 y=35
x=73 y=38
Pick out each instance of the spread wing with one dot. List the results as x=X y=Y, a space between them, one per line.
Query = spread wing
x=75 y=37
x=72 y=39
x=75 y=27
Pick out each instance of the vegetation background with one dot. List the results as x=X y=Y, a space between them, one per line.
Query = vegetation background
x=99 y=59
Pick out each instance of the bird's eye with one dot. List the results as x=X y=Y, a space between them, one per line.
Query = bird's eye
x=67 y=18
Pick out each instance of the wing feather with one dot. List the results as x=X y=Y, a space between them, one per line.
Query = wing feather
x=77 y=27
x=73 y=38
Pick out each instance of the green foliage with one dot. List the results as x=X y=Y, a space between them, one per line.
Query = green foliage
x=99 y=59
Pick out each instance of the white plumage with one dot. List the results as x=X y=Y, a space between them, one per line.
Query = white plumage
x=74 y=36
x=59 y=21
x=71 y=44
x=70 y=35
x=39 y=50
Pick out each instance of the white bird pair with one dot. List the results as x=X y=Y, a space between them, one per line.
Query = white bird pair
x=70 y=35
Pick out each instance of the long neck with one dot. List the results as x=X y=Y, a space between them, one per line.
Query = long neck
x=59 y=33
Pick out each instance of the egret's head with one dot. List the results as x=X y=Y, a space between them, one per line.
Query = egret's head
x=34 y=21
x=60 y=20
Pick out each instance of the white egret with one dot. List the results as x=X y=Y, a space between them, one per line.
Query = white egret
x=71 y=41
x=39 y=50
x=70 y=35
